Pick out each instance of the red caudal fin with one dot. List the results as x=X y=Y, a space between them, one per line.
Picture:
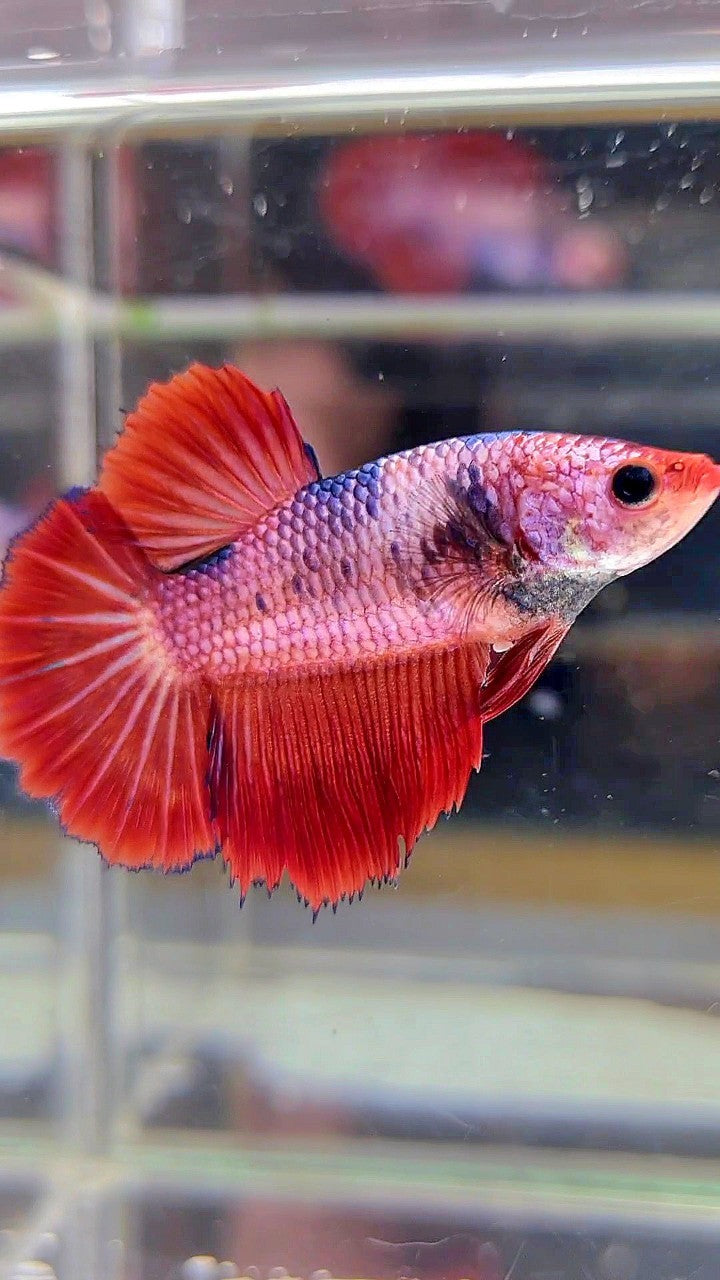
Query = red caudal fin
x=202 y=458
x=333 y=777
x=89 y=705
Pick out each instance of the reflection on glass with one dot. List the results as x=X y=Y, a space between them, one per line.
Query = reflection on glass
x=509 y=1065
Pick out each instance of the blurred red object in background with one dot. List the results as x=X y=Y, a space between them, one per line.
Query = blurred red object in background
x=443 y=213
x=27 y=203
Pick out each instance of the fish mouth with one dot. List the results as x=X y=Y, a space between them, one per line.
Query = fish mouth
x=693 y=478
x=707 y=487
x=693 y=498
x=706 y=476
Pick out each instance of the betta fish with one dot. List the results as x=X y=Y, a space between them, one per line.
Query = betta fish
x=217 y=651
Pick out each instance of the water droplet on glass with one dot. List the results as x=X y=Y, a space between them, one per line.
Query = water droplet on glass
x=663 y=201
x=669 y=130
x=227 y=186
x=585 y=199
x=47 y=1243
x=617 y=160
x=100 y=38
x=260 y=204
x=201 y=1267
x=696 y=162
x=706 y=195
x=184 y=213
x=618 y=1262
x=41 y=53
x=619 y=137
x=32 y=1269
x=686 y=181
x=546 y=704
x=97 y=12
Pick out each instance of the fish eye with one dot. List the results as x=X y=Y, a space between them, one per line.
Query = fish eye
x=634 y=485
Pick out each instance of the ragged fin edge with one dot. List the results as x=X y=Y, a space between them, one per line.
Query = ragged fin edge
x=318 y=775
x=200 y=460
x=412 y=731
x=90 y=705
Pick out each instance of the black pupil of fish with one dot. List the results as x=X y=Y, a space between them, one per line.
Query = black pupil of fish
x=633 y=485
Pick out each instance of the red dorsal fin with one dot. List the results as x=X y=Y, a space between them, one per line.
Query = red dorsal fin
x=201 y=459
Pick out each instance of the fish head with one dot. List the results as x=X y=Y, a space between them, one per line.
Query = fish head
x=586 y=510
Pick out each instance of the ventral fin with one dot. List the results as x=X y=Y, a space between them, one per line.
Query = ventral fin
x=511 y=674
x=202 y=459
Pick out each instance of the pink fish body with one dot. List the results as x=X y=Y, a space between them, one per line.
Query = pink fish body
x=217 y=650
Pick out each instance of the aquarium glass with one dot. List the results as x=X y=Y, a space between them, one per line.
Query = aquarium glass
x=418 y=220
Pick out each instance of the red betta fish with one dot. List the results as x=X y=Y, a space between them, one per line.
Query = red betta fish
x=216 y=650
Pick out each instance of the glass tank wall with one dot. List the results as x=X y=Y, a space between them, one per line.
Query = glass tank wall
x=418 y=220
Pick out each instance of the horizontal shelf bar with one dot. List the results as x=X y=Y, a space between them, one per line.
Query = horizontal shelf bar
x=656 y=317
x=494 y=317
x=527 y=1188
x=599 y=85
x=51 y=305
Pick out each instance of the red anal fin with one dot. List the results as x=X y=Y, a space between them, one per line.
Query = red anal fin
x=511 y=674
x=90 y=706
x=201 y=459
x=323 y=775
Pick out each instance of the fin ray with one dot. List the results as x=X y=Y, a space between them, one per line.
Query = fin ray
x=76 y=677
x=202 y=459
x=514 y=672
x=334 y=809
x=291 y=792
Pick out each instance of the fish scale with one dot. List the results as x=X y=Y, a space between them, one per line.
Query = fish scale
x=322 y=564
